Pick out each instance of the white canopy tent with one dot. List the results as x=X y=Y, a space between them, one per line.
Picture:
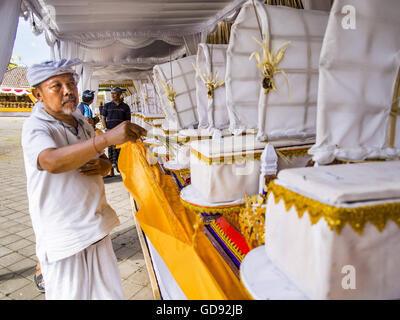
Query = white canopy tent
x=125 y=38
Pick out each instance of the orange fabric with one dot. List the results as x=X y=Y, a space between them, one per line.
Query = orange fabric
x=176 y=232
x=97 y=131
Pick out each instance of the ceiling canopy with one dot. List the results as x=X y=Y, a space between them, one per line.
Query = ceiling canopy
x=106 y=19
x=122 y=38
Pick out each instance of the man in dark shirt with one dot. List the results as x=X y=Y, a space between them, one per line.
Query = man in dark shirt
x=112 y=114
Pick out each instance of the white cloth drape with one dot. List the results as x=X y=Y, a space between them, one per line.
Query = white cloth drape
x=324 y=5
x=9 y=12
x=357 y=74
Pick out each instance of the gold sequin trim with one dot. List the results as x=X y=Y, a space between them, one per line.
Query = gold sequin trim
x=337 y=217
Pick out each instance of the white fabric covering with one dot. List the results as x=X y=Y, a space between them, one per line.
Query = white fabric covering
x=324 y=5
x=9 y=11
x=141 y=20
x=358 y=70
x=227 y=181
x=91 y=274
x=213 y=113
x=183 y=74
x=127 y=36
x=313 y=257
x=148 y=95
x=264 y=281
x=338 y=184
x=274 y=114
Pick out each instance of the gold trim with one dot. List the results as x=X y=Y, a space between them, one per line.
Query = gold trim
x=337 y=217
x=213 y=210
x=252 y=221
x=295 y=152
x=226 y=159
x=228 y=242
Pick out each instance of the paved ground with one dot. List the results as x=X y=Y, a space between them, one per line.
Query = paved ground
x=17 y=239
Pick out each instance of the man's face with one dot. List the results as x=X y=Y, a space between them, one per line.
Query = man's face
x=116 y=96
x=59 y=94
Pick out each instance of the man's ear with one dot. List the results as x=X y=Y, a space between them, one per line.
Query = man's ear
x=37 y=93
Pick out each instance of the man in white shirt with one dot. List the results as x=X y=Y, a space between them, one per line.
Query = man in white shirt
x=64 y=164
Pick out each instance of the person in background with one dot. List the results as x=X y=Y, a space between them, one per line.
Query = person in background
x=112 y=114
x=101 y=107
x=64 y=164
x=87 y=100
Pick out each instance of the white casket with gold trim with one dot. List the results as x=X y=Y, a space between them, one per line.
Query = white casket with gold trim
x=210 y=86
x=176 y=86
x=276 y=90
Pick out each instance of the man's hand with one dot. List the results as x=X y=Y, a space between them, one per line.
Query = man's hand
x=125 y=131
x=100 y=166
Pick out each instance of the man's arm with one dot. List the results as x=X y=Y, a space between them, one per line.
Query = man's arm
x=57 y=160
x=100 y=166
x=103 y=122
x=103 y=116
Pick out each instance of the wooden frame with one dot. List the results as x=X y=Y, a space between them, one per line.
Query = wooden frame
x=147 y=258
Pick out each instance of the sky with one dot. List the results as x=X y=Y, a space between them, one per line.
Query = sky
x=32 y=49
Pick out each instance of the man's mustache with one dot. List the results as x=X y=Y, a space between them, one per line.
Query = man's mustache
x=70 y=98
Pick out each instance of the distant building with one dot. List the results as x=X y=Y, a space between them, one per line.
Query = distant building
x=15 y=93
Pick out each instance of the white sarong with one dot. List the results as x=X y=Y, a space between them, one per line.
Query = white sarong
x=91 y=274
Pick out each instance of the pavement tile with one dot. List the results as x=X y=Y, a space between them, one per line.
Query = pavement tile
x=16 y=215
x=127 y=269
x=138 y=259
x=3 y=233
x=28 y=251
x=40 y=297
x=130 y=288
x=13 y=284
x=28 y=272
x=9 y=224
x=26 y=233
x=23 y=243
x=140 y=276
x=22 y=265
x=9 y=239
x=5 y=274
x=146 y=293
x=29 y=292
x=10 y=259
x=4 y=251
x=17 y=228
x=31 y=238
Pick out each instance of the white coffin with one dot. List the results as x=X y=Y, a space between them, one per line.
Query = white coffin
x=358 y=70
x=274 y=114
x=148 y=95
x=221 y=174
x=321 y=262
x=184 y=114
x=213 y=113
x=226 y=169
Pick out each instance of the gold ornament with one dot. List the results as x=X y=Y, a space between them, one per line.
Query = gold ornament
x=211 y=83
x=269 y=64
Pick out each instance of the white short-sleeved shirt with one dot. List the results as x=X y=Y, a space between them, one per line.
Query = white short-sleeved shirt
x=69 y=211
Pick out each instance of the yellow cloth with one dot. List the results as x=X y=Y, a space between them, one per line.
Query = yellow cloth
x=176 y=232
